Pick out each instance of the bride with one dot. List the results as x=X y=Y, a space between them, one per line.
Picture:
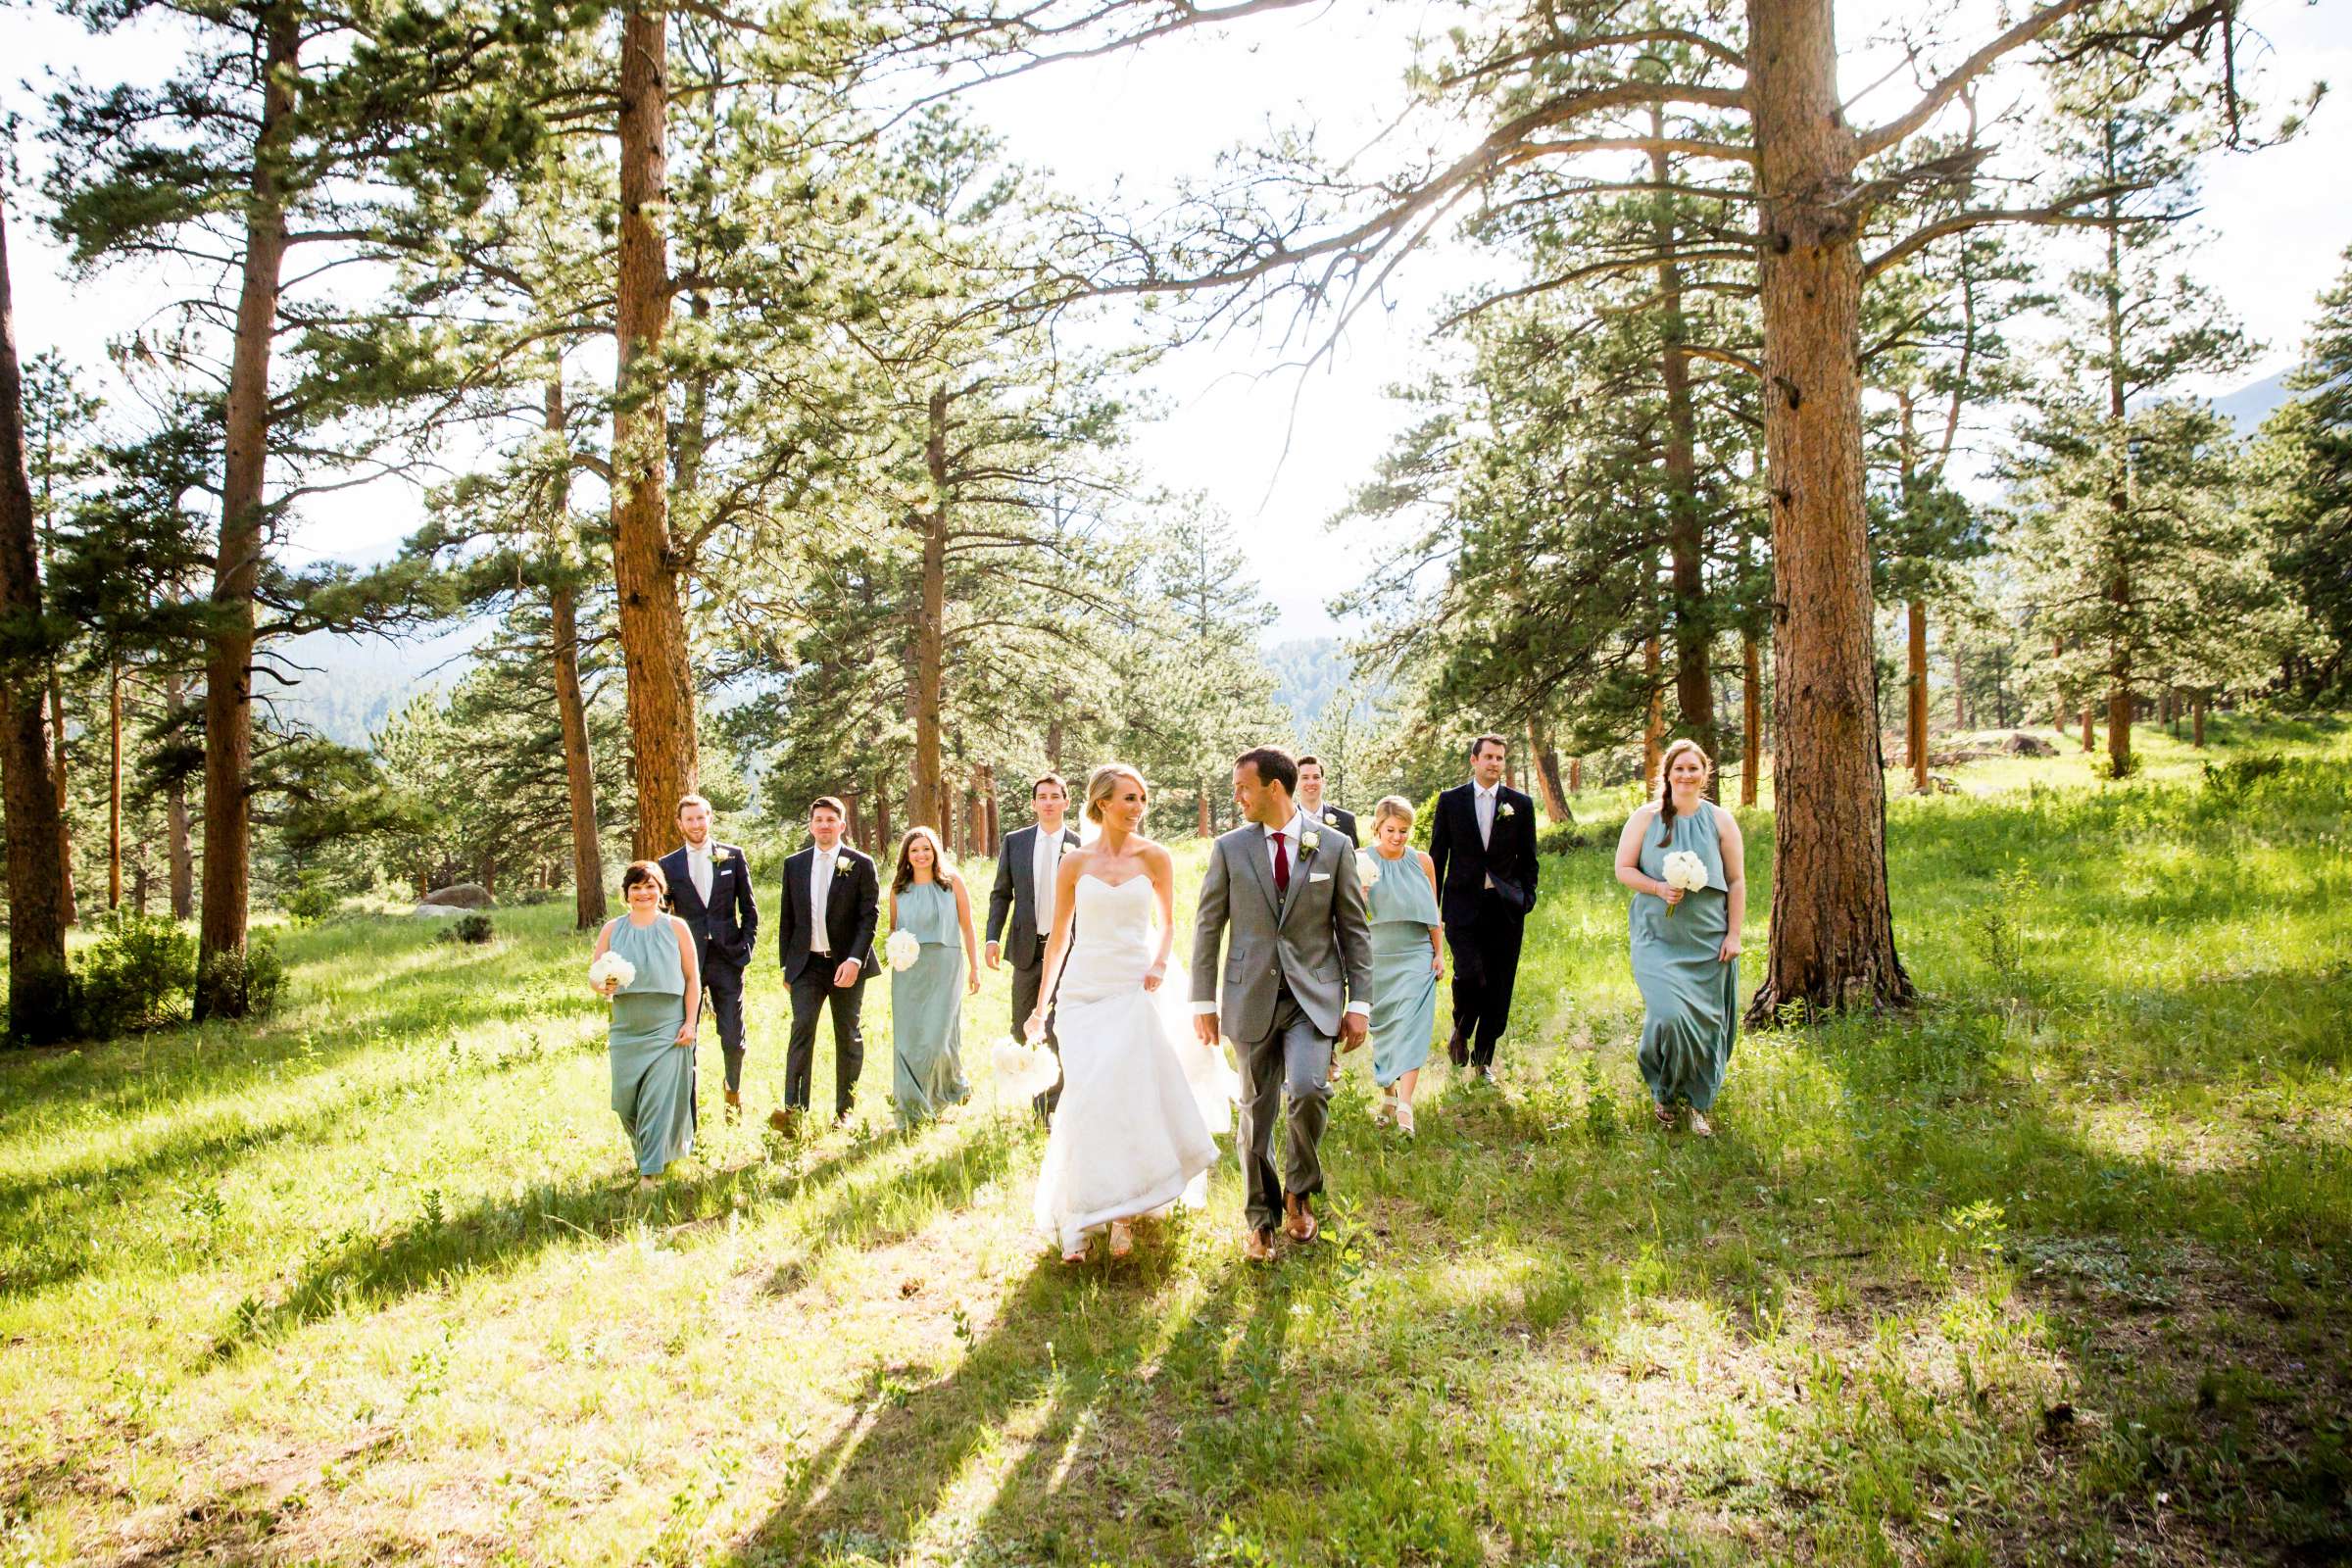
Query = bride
x=1141 y=1097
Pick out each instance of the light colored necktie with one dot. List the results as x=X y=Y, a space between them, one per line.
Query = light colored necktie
x=701 y=860
x=1048 y=864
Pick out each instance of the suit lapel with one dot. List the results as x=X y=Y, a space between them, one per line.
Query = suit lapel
x=1253 y=855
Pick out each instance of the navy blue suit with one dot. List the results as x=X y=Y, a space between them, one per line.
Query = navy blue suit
x=723 y=932
x=1483 y=924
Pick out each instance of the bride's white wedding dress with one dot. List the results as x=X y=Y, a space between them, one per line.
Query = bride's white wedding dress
x=1142 y=1099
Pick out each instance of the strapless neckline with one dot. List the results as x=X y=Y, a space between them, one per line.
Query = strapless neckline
x=1088 y=876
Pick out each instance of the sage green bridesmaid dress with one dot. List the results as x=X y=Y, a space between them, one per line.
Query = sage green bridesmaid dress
x=926 y=1008
x=1690 y=998
x=1404 y=988
x=653 y=1075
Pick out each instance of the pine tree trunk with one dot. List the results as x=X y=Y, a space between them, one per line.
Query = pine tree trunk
x=1653 y=728
x=1959 y=693
x=572 y=708
x=930 y=630
x=1917 y=687
x=1207 y=828
x=65 y=807
x=1576 y=776
x=2090 y=742
x=1751 y=718
x=34 y=828
x=2196 y=723
x=1832 y=924
x=113 y=788
x=236 y=571
x=176 y=815
x=1547 y=772
x=1685 y=542
x=881 y=813
x=652 y=618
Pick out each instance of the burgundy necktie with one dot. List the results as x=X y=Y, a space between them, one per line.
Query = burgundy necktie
x=1281 y=867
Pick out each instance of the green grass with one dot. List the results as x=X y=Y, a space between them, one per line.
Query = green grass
x=2054 y=1271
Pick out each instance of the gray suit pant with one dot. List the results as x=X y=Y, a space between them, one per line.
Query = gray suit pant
x=1293 y=1064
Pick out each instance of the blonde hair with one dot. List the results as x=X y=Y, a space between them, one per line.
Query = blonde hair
x=1103 y=780
x=1666 y=782
x=1395 y=806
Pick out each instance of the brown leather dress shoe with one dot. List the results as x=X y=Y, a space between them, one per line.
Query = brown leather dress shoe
x=1297 y=1223
x=734 y=1106
x=785 y=1119
x=1457 y=1050
x=1257 y=1245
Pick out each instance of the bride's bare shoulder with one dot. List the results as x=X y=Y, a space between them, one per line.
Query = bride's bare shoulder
x=1153 y=855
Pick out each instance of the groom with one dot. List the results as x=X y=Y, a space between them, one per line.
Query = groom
x=1298 y=974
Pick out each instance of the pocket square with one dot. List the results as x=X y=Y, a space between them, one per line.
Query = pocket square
x=1318 y=876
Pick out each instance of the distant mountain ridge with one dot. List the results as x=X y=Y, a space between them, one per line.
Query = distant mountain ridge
x=2248 y=406
x=1309 y=671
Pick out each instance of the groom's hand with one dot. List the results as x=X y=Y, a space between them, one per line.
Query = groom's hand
x=994 y=950
x=844 y=975
x=1204 y=1024
x=1355 y=1030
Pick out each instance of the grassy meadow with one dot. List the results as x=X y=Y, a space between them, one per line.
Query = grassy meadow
x=2055 y=1271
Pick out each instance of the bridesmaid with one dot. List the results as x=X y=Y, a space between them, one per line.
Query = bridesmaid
x=929 y=901
x=1408 y=959
x=654 y=1019
x=1686 y=945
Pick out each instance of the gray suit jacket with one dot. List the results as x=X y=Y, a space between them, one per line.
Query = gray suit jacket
x=1015 y=895
x=1316 y=940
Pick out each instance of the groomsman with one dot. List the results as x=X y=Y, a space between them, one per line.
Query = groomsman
x=826 y=941
x=711 y=890
x=1310 y=801
x=1025 y=891
x=1484 y=846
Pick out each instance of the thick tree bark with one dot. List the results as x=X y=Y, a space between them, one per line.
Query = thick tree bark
x=1576 y=776
x=1916 y=688
x=572 y=708
x=2196 y=723
x=651 y=618
x=1686 y=541
x=237 y=566
x=1832 y=924
x=34 y=828
x=113 y=788
x=1207 y=828
x=929 y=805
x=2089 y=743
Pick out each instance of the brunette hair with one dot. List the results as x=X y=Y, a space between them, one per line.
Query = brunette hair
x=1666 y=783
x=903 y=877
x=1054 y=779
x=1483 y=740
x=1103 y=780
x=1274 y=767
x=637 y=871
x=829 y=803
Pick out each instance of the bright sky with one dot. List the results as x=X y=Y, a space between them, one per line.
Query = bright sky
x=1280 y=450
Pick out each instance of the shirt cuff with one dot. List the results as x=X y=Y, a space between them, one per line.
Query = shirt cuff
x=1362 y=1009
x=1204 y=1010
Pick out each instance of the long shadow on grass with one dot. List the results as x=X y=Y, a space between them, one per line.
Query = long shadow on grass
x=1076 y=1361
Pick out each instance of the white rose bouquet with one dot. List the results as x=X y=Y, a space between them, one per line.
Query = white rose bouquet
x=611 y=967
x=1686 y=871
x=1367 y=875
x=902 y=949
x=1024 y=1071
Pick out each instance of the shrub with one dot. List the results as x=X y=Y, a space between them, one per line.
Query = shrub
x=1560 y=837
x=472 y=928
x=139 y=975
x=312 y=898
x=247 y=981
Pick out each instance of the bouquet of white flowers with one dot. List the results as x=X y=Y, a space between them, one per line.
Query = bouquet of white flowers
x=903 y=949
x=1687 y=871
x=1367 y=874
x=1026 y=1070
x=611 y=967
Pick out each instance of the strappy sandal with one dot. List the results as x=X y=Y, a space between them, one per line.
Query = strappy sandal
x=1664 y=1115
x=1123 y=1239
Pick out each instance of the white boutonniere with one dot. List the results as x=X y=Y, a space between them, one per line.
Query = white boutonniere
x=1308 y=840
x=841 y=864
x=1329 y=820
x=1505 y=810
x=718 y=853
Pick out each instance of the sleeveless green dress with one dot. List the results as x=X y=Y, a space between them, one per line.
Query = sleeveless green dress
x=926 y=1010
x=1405 y=990
x=653 y=1075
x=1691 y=998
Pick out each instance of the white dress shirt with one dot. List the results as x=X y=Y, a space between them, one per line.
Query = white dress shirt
x=1482 y=799
x=698 y=869
x=1045 y=862
x=820 y=889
